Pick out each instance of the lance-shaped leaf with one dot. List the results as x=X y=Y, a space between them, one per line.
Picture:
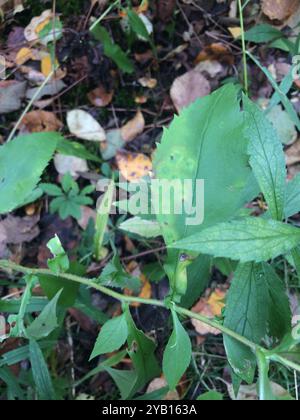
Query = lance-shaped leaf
x=22 y=162
x=292 y=204
x=249 y=239
x=141 y=351
x=257 y=307
x=112 y=336
x=178 y=353
x=206 y=142
x=266 y=158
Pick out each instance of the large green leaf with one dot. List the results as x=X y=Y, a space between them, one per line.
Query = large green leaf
x=257 y=307
x=112 y=336
x=206 y=142
x=249 y=239
x=178 y=353
x=22 y=162
x=141 y=351
x=266 y=158
x=292 y=204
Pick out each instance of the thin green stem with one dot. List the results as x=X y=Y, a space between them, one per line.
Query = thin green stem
x=107 y=11
x=246 y=82
x=258 y=350
x=29 y=105
x=9 y=265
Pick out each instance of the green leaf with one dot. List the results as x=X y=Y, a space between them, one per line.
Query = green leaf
x=113 y=275
x=103 y=212
x=249 y=239
x=257 y=307
x=14 y=391
x=263 y=33
x=292 y=204
x=178 y=353
x=283 y=98
x=60 y=263
x=112 y=336
x=51 y=285
x=22 y=162
x=113 y=50
x=141 y=351
x=73 y=148
x=124 y=380
x=51 y=189
x=138 y=26
x=266 y=158
x=283 y=124
x=145 y=228
x=46 y=322
x=40 y=372
x=211 y=396
x=206 y=142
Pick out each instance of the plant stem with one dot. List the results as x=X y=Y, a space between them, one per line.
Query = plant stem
x=246 y=83
x=107 y=11
x=258 y=350
x=9 y=265
x=29 y=105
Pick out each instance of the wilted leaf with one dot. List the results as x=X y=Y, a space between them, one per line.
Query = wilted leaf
x=44 y=28
x=210 y=307
x=11 y=95
x=133 y=128
x=84 y=126
x=279 y=9
x=189 y=87
x=133 y=166
x=37 y=121
x=216 y=51
x=69 y=164
x=100 y=97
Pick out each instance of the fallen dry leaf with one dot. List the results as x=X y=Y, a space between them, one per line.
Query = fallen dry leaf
x=133 y=128
x=146 y=290
x=210 y=307
x=292 y=154
x=82 y=125
x=11 y=95
x=188 y=88
x=236 y=31
x=159 y=383
x=133 y=166
x=99 y=97
x=165 y=9
x=36 y=25
x=24 y=55
x=148 y=82
x=38 y=121
x=216 y=51
x=69 y=164
x=16 y=230
x=86 y=215
x=279 y=9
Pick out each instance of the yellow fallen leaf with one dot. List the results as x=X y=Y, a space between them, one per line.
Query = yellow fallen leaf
x=133 y=166
x=210 y=307
x=23 y=56
x=279 y=9
x=235 y=31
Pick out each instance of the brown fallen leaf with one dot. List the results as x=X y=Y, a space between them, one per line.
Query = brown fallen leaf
x=159 y=383
x=11 y=95
x=146 y=290
x=211 y=307
x=216 y=51
x=165 y=9
x=148 y=82
x=279 y=9
x=292 y=154
x=17 y=230
x=39 y=121
x=133 y=166
x=188 y=88
x=100 y=97
x=70 y=164
x=86 y=215
x=133 y=128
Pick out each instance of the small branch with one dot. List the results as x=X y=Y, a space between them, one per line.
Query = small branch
x=11 y=266
x=246 y=82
